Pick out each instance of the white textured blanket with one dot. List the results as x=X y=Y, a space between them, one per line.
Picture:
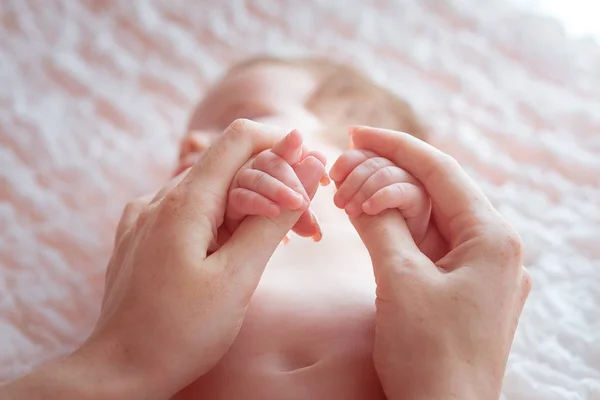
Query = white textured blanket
x=94 y=96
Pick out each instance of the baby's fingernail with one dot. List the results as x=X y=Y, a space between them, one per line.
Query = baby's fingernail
x=315 y=222
x=325 y=180
x=286 y=239
x=350 y=138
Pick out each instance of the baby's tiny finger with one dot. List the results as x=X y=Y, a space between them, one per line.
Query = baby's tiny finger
x=244 y=202
x=316 y=154
x=401 y=195
x=290 y=147
x=279 y=169
x=308 y=226
x=411 y=200
x=271 y=188
x=325 y=180
x=383 y=177
x=346 y=164
x=357 y=178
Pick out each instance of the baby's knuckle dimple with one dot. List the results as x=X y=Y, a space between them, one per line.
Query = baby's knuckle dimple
x=398 y=190
x=237 y=200
x=274 y=163
x=259 y=179
x=386 y=173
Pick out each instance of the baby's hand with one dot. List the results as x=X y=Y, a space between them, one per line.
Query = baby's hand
x=268 y=183
x=368 y=183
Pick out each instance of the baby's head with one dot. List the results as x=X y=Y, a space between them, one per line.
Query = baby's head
x=311 y=94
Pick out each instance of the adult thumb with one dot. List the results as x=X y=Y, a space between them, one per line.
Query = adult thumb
x=387 y=238
x=256 y=238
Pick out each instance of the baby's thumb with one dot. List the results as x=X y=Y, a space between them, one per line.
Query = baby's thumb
x=386 y=237
x=256 y=238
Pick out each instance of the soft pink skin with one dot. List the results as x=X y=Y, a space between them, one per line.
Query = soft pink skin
x=268 y=183
x=372 y=184
x=316 y=325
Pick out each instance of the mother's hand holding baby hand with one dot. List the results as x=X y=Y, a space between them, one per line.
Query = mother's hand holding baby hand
x=443 y=329
x=171 y=307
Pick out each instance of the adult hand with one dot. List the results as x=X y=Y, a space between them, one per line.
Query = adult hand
x=443 y=329
x=171 y=310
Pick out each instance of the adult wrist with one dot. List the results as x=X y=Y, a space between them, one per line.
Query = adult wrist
x=436 y=382
x=94 y=371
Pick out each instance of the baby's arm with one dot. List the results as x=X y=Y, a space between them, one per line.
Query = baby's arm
x=370 y=184
x=268 y=183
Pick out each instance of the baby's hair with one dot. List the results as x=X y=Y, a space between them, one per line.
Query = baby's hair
x=345 y=96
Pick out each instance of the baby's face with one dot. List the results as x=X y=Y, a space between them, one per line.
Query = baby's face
x=273 y=94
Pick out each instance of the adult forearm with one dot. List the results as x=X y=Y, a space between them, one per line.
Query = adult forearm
x=92 y=372
x=440 y=381
x=449 y=391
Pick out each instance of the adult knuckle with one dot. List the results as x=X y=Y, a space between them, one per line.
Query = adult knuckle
x=238 y=129
x=444 y=165
x=510 y=242
x=407 y=263
x=525 y=285
x=514 y=244
x=170 y=206
x=404 y=271
x=448 y=163
x=506 y=243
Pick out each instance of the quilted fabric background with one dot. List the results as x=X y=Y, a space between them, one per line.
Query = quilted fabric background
x=94 y=96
